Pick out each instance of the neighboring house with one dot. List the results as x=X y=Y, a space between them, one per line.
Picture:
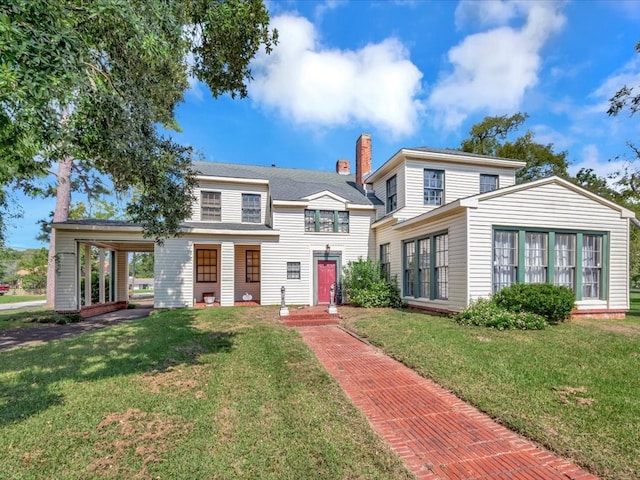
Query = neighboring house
x=136 y=283
x=449 y=225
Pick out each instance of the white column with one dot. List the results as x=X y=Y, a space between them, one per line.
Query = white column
x=227 y=274
x=87 y=274
x=101 y=276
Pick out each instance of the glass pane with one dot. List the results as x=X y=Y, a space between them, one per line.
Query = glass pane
x=535 y=257
x=565 y=260
x=505 y=259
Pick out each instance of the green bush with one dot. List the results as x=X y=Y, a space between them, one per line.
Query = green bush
x=486 y=313
x=549 y=301
x=364 y=285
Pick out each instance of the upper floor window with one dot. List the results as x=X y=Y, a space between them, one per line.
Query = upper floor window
x=392 y=194
x=488 y=183
x=327 y=221
x=433 y=186
x=210 y=206
x=251 y=208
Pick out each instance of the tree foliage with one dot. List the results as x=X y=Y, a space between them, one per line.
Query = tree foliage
x=35 y=268
x=97 y=82
x=493 y=136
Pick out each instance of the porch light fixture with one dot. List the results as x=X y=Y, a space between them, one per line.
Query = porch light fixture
x=327 y=249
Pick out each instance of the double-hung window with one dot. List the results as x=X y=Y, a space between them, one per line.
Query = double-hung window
x=385 y=263
x=441 y=267
x=409 y=268
x=293 y=270
x=251 y=210
x=210 y=206
x=505 y=259
x=426 y=267
x=591 y=266
x=433 y=186
x=392 y=194
x=565 y=260
x=488 y=183
x=535 y=257
x=576 y=260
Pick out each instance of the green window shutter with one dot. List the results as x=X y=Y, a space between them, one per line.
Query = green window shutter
x=604 y=289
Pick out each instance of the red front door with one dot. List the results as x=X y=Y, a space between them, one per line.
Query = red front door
x=326 y=277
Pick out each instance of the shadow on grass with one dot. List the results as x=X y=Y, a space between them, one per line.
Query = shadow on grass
x=30 y=377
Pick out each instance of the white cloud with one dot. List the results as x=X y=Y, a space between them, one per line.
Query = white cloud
x=492 y=70
x=629 y=75
x=376 y=85
x=590 y=158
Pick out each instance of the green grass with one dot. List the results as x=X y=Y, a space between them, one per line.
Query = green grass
x=32 y=317
x=574 y=387
x=20 y=298
x=225 y=393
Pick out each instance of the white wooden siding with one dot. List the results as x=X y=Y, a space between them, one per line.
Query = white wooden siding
x=173 y=273
x=457 y=227
x=227 y=262
x=66 y=272
x=230 y=200
x=552 y=207
x=459 y=181
x=122 y=276
x=296 y=245
x=380 y=189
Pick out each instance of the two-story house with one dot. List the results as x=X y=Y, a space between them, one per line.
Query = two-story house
x=450 y=226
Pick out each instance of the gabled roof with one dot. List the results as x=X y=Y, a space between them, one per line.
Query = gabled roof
x=290 y=183
x=443 y=155
x=473 y=200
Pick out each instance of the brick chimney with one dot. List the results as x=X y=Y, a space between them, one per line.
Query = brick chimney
x=363 y=158
x=343 y=167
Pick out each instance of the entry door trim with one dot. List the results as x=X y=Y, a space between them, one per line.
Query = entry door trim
x=333 y=256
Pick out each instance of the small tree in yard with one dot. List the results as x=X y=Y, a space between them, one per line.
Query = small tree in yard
x=364 y=285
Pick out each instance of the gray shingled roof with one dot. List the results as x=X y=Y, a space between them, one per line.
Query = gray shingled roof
x=291 y=183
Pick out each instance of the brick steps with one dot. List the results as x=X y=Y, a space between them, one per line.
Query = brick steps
x=309 y=317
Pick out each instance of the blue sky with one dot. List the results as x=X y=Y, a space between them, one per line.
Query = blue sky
x=417 y=73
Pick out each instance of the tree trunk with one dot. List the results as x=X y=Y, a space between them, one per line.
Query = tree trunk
x=61 y=214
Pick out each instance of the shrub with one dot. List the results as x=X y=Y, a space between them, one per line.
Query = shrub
x=486 y=313
x=364 y=285
x=550 y=301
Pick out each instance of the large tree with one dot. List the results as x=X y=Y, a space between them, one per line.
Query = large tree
x=91 y=86
x=494 y=136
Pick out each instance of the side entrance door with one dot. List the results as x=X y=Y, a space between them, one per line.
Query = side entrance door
x=327 y=270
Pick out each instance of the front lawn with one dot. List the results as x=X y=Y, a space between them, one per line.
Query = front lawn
x=574 y=387
x=7 y=298
x=224 y=393
x=32 y=317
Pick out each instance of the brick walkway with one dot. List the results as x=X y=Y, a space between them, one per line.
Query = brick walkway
x=437 y=435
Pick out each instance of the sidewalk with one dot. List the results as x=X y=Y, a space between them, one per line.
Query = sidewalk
x=437 y=435
x=22 y=337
